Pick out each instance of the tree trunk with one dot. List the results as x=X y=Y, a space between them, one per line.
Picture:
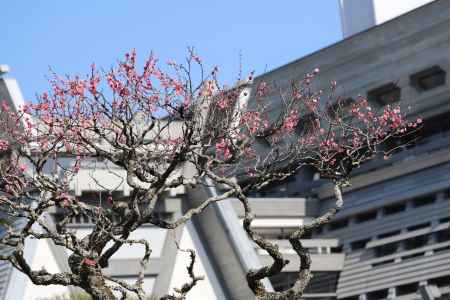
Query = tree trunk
x=91 y=277
x=96 y=287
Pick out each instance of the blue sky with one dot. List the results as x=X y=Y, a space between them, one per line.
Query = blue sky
x=70 y=35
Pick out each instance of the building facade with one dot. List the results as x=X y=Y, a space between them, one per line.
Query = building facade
x=394 y=228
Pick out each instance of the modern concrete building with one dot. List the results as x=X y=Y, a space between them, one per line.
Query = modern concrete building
x=395 y=226
x=391 y=240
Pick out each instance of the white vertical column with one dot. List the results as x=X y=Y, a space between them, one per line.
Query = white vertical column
x=359 y=15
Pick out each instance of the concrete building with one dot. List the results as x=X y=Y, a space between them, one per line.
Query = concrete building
x=395 y=226
x=391 y=240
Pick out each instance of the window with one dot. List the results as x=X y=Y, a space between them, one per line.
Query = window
x=412 y=256
x=416 y=242
x=422 y=201
x=77 y=219
x=338 y=249
x=386 y=94
x=440 y=281
x=399 y=144
x=444 y=220
x=95 y=197
x=338 y=224
x=447 y=194
x=86 y=219
x=319 y=230
x=388 y=234
x=263 y=140
x=361 y=244
x=367 y=216
x=382 y=263
x=437 y=125
x=307 y=124
x=283 y=281
x=385 y=250
x=341 y=109
x=323 y=282
x=428 y=79
x=376 y=295
x=419 y=226
x=394 y=209
x=406 y=289
x=278 y=233
x=445 y=249
x=443 y=235
x=163 y=215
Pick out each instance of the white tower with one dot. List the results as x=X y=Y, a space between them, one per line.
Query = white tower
x=358 y=15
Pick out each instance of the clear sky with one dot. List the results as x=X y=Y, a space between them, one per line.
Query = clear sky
x=70 y=35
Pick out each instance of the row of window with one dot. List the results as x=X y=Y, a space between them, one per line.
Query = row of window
x=409 y=244
x=283 y=233
x=405 y=289
x=388 y=210
x=432 y=130
x=322 y=282
x=86 y=220
x=425 y=80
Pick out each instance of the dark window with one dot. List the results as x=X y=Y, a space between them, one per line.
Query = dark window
x=263 y=140
x=443 y=235
x=97 y=197
x=422 y=201
x=361 y=244
x=428 y=79
x=444 y=220
x=163 y=215
x=323 y=282
x=278 y=233
x=394 y=209
x=77 y=219
x=419 y=226
x=341 y=109
x=376 y=295
x=319 y=230
x=283 y=281
x=307 y=124
x=338 y=249
x=440 y=281
x=445 y=249
x=388 y=234
x=367 y=216
x=447 y=194
x=406 y=289
x=416 y=242
x=412 y=256
x=437 y=125
x=338 y=224
x=86 y=219
x=386 y=94
x=384 y=262
x=385 y=250
x=401 y=143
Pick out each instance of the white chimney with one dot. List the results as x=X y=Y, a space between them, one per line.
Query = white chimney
x=359 y=15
